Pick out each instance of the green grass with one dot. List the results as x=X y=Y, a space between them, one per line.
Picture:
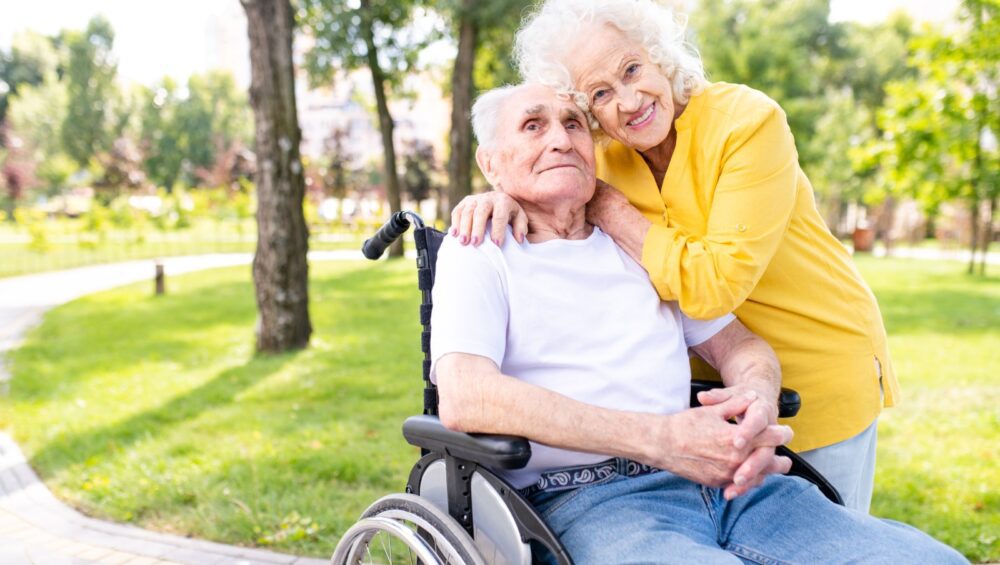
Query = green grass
x=155 y=411
x=939 y=450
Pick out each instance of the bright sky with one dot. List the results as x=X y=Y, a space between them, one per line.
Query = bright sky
x=179 y=37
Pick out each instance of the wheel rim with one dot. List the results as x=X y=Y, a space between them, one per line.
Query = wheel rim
x=395 y=536
x=381 y=541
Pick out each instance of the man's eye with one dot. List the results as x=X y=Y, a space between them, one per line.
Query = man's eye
x=573 y=125
x=531 y=126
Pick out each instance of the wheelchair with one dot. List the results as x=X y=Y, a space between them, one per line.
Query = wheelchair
x=454 y=509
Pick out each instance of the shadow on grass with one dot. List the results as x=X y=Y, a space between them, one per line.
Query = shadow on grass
x=73 y=448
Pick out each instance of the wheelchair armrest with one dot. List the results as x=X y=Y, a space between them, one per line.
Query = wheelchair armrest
x=505 y=452
x=788 y=401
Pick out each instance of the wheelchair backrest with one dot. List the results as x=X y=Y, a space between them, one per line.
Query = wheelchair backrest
x=428 y=242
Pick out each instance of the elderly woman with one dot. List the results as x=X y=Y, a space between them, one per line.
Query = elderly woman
x=715 y=207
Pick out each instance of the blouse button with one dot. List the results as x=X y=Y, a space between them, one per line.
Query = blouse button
x=741 y=227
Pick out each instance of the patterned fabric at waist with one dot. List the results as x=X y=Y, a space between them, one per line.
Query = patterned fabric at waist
x=582 y=475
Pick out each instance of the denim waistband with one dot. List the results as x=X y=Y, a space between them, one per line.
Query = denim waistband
x=567 y=478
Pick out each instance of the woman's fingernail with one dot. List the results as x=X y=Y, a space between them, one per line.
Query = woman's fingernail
x=739 y=442
x=475 y=240
x=454 y=232
x=496 y=241
x=465 y=239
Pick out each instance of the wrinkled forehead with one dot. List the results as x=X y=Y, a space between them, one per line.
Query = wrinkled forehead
x=540 y=102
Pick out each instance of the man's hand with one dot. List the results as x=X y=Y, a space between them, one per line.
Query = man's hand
x=761 y=413
x=700 y=444
x=468 y=219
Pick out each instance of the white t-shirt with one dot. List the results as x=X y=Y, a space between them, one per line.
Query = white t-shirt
x=578 y=317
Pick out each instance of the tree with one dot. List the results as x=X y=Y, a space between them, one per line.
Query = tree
x=36 y=113
x=32 y=59
x=185 y=135
x=420 y=167
x=780 y=47
x=280 y=269
x=90 y=74
x=372 y=34
x=940 y=128
x=161 y=142
x=480 y=27
x=839 y=135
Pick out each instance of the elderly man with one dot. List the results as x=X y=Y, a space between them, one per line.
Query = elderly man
x=563 y=340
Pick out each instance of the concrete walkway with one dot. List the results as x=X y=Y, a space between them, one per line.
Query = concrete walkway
x=35 y=527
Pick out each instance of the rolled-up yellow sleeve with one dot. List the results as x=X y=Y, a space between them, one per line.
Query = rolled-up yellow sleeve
x=750 y=210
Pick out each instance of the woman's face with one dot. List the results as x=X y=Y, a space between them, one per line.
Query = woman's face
x=628 y=94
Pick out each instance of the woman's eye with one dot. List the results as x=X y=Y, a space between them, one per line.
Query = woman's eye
x=632 y=69
x=600 y=94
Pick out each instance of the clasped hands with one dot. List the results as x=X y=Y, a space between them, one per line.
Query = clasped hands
x=729 y=442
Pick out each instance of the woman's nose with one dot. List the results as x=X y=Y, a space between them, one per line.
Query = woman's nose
x=629 y=99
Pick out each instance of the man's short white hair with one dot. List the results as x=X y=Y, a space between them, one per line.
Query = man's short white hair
x=486 y=113
x=541 y=45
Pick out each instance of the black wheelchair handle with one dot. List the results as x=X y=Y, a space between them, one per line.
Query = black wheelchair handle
x=376 y=245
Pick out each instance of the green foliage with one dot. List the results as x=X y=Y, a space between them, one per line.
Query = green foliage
x=182 y=135
x=778 y=47
x=90 y=73
x=340 y=29
x=840 y=133
x=936 y=125
x=32 y=58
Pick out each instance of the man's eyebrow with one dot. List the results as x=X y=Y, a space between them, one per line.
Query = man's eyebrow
x=571 y=114
x=534 y=110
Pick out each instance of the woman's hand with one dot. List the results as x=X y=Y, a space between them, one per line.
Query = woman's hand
x=612 y=212
x=468 y=219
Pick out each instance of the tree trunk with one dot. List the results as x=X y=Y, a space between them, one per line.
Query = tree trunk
x=886 y=220
x=280 y=270
x=988 y=236
x=460 y=160
x=974 y=234
x=384 y=122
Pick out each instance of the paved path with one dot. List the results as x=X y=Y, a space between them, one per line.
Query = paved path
x=35 y=527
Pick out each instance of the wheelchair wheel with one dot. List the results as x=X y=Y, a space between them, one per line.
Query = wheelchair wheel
x=403 y=528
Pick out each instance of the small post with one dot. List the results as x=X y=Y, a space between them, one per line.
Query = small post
x=160 y=283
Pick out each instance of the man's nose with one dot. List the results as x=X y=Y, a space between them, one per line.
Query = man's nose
x=558 y=138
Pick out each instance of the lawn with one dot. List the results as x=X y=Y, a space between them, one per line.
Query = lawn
x=161 y=416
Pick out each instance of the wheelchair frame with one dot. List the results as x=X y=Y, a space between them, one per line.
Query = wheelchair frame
x=468 y=456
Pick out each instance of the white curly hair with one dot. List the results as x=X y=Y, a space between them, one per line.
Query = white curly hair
x=542 y=43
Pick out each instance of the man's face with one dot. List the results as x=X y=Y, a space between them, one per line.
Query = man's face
x=543 y=152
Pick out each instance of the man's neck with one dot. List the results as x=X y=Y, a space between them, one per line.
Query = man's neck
x=559 y=224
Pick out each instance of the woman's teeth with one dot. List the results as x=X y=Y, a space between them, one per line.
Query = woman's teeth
x=645 y=115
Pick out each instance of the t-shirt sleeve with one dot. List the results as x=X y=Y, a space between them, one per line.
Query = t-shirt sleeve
x=697 y=332
x=470 y=303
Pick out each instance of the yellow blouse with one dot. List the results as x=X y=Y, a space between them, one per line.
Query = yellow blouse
x=736 y=230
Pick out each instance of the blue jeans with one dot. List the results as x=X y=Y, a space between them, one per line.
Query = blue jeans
x=849 y=466
x=662 y=518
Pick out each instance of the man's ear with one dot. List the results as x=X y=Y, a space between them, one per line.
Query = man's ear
x=484 y=158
